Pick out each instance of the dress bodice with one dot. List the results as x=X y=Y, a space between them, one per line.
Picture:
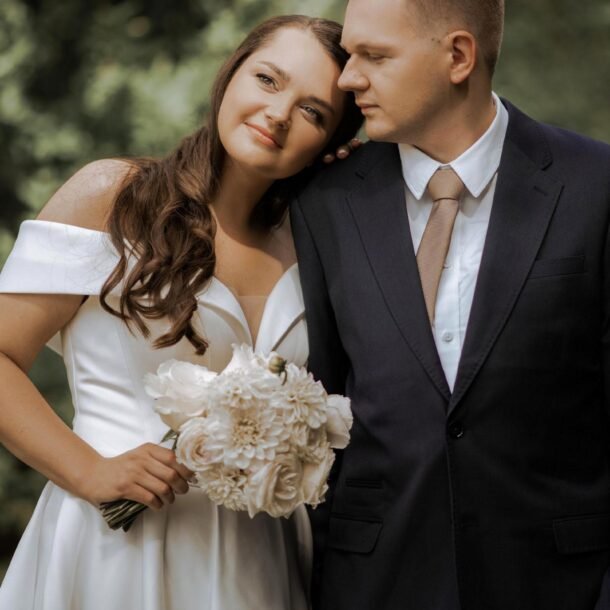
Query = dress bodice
x=105 y=361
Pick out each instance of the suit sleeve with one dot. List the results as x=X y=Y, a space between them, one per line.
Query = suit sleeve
x=604 y=600
x=327 y=359
x=327 y=362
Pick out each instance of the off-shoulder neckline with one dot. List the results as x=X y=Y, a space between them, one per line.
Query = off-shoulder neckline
x=33 y=221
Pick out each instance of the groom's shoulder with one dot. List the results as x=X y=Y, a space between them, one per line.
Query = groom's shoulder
x=575 y=146
x=564 y=145
x=337 y=179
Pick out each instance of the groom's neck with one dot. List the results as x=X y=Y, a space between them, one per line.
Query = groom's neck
x=457 y=126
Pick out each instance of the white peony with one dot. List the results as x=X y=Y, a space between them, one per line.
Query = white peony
x=276 y=487
x=340 y=420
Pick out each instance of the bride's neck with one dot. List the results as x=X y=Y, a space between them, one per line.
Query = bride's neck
x=237 y=196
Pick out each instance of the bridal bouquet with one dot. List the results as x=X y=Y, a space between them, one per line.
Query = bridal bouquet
x=259 y=436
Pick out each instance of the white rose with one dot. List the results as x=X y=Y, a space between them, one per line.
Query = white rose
x=176 y=413
x=181 y=390
x=339 y=422
x=315 y=477
x=191 y=447
x=276 y=487
x=178 y=379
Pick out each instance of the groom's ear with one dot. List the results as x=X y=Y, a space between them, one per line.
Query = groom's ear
x=463 y=47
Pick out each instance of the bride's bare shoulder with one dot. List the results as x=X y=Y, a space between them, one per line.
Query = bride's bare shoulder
x=85 y=199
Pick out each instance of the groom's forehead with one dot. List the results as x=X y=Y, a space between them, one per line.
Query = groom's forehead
x=378 y=18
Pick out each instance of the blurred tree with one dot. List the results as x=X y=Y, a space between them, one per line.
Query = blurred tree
x=556 y=60
x=80 y=81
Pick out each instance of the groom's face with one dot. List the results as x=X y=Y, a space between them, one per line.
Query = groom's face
x=398 y=69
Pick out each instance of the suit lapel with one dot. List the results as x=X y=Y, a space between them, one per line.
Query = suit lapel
x=524 y=202
x=379 y=209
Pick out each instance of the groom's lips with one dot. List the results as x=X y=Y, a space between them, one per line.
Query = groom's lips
x=364 y=106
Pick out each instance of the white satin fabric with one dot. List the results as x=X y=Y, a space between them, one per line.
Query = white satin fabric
x=191 y=555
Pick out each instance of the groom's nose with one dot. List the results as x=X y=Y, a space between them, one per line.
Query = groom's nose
x=351 y=78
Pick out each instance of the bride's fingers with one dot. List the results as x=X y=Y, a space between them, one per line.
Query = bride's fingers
x=158 y=487
x=144 y=496
x=168 y=457
x=184 y=472
x=343 y=151
x=171 y=476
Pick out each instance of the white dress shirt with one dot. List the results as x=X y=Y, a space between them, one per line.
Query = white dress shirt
x=477 y=167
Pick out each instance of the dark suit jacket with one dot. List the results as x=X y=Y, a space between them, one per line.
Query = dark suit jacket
x=495 y=496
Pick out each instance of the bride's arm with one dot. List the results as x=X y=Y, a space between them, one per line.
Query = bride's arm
x=29 y=427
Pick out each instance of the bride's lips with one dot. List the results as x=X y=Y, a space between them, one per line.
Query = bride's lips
x=264 y=136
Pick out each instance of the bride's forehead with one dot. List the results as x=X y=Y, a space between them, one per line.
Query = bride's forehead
x=292 y=47
x=297 y=57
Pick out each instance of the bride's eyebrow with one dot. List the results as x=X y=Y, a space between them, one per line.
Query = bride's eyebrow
x=281 y=73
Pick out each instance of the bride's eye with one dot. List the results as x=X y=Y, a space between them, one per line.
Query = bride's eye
x=265 y=79
x=314 y=114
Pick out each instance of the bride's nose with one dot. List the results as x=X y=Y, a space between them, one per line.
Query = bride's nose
x=278 y=114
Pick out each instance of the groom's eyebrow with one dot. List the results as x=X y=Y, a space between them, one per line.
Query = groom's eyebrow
x=367 y=46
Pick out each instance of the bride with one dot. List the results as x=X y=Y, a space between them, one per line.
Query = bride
x=133 y=262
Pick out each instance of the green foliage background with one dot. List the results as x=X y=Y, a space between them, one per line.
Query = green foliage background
x=84 y=80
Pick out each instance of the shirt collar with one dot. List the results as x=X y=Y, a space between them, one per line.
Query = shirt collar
x=475 y=166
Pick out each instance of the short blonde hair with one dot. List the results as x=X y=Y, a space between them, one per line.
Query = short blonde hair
x=483 y=18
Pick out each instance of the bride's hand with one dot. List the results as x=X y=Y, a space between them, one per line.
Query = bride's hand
x=344 y=151
x=148 y=474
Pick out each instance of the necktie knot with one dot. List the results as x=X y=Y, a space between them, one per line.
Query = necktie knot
x=445 y=184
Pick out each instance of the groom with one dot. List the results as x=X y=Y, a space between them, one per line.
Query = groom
x=456 y=274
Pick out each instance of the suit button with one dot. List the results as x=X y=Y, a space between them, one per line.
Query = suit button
x=456 y=430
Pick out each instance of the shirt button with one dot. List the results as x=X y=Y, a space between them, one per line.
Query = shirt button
x=456 y=430
x=447 y=337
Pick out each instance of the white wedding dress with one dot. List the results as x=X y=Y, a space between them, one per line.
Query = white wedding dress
x=191 y=555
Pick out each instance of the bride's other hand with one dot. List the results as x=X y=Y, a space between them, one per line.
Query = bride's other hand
x=344 y=151
x=149 y=474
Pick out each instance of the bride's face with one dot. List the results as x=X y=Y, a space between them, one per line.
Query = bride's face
x=282 y=105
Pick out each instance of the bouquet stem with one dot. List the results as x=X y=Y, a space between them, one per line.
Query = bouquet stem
x=121 y=514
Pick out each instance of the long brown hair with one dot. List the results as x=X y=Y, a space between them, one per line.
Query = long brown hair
x=160 y=222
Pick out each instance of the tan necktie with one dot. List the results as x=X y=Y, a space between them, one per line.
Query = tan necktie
x=445 y=188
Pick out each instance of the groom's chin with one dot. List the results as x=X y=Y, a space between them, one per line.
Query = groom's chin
x=377 y=132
